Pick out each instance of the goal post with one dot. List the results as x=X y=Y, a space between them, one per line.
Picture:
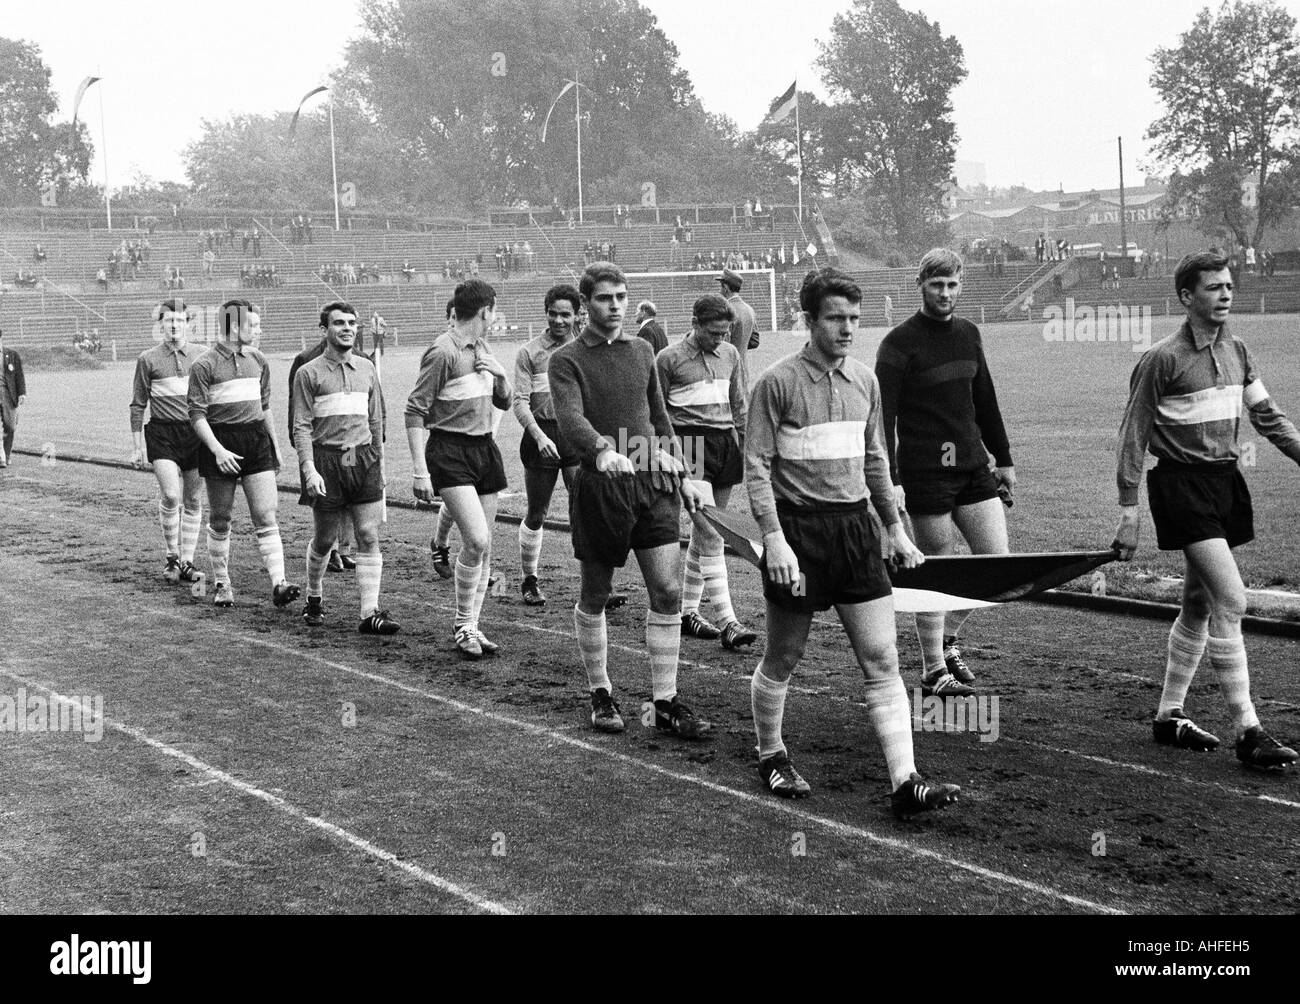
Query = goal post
x=673 y=293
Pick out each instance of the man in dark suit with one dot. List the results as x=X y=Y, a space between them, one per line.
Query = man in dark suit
x=13 y=393
x=649 y=328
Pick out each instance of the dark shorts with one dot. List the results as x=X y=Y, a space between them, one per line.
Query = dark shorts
x=721 y=464
x=346 y=483
x=456 y=460
x=174 y=441
x=533 y=460
x=839 y=558
x=251 y=440
x=1199 y=502
x=612 y=516
x=940 y=494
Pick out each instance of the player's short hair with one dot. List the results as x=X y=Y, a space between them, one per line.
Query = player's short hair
x=233 y=313
x=597 y=272
x=564 y=291
x=711 y=307
x=451 y=308
x=647 y=308
x=826 y=282
x=471 y=296
x=173 y=305
x=332 y=306
x=1188 y=274
x=937 y=262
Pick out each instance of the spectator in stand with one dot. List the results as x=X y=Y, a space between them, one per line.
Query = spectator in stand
x=1250 y=259
x=517 y=257
x=407 y=270
x=690 y=234
x=101 y=277
x=674 y=252
x=649 y=328
x=13 y=395
x=39 y=253
x=177 y=223
x=528 y=256
x=209 y=260
x=749 y=214
x=244 y=238
x=257 y=242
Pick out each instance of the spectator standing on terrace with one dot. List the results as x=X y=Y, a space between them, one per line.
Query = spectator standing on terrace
x=1186 y=398
x=941 y=422
x=407 y=270
x=649 y=328
x=13 y=395
x=39 y=253
x=749 y=214
x=257 y=242
x=744 y=325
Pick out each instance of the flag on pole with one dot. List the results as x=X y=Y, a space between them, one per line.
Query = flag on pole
x=293 y=124
x=785 y=104
x=956 y=582
x=81 y=93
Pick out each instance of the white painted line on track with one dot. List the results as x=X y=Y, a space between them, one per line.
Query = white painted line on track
x=839 y=699
x=842 y=829
x=332 y=829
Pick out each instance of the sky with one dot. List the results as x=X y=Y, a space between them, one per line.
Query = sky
x=1051 y=83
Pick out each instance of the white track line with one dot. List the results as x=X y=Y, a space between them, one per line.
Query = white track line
x=839 y=699
x=835 y=826
x=334 y=830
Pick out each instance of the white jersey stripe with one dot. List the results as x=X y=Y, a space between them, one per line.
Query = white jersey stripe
x=177 y=386
x=235 y=391
x=541 y=383
x=342 y=403
x=1214 y=404
x=824 y=441
x=705 y=392
x=467 y=387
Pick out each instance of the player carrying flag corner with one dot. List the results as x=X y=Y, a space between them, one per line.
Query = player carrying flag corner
x=813 y=463
x=1186 y=398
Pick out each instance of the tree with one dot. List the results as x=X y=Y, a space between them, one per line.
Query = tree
x=459 y=93
x=34 y=150
x=890 y=74
x=1229 y=132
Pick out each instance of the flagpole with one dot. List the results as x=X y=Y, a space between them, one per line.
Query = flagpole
x=334 y=163
x=577 y=91
x=103 y=143
x=798 y=134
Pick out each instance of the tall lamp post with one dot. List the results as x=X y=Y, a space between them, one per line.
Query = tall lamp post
x=334 y=162
x=577 y=92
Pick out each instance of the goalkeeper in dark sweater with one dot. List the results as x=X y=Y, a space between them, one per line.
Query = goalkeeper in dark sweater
x=941 y=422
x=625 y=494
